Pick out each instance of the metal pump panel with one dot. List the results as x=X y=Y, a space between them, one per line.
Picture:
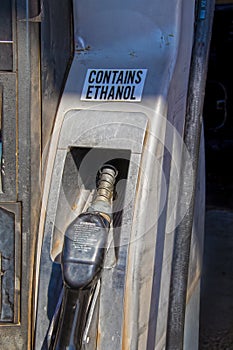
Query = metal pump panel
x=124 y=102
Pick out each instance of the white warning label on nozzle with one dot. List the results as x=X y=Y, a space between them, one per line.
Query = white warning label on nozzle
x=114 y=85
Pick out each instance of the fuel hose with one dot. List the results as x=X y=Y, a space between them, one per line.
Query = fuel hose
x=192 y=136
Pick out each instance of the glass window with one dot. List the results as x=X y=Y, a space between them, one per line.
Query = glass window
x=1 y=155
x=6 y=38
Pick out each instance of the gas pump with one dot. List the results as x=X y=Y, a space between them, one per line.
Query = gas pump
x=105 y=262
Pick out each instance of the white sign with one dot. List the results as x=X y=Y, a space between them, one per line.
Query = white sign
x=114 y=85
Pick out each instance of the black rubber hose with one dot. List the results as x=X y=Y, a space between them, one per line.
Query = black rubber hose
x=192 y=135
x=73 y=316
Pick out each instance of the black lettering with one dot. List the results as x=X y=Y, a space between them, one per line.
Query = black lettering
x=126 y=77
x=139 y=78
x=106 y=78
x=97 y=87
x=103 y=92
x=111 y=93
x=120 y=78
x=89 y=92
x=132 y=97
x=131 y=77
x=119 y=92
x=127 y=92
x=91 y=79
x=114 y=76
x=99 y=76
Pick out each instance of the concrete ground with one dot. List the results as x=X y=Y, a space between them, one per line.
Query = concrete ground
x=216 y=319
x=216 y=324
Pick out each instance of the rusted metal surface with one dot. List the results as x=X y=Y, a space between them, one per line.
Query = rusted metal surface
x=21 y=121
x=10 y=251
x=8 y=81
x=56 y=54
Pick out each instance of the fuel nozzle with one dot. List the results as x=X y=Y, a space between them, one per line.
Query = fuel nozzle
x=102 y=202
x=86 y=238
x=82 y=262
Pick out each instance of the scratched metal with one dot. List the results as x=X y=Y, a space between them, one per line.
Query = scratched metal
x=10 y=262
